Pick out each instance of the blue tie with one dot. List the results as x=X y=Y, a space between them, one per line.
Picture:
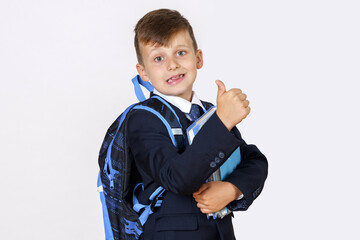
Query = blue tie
x=195 y=112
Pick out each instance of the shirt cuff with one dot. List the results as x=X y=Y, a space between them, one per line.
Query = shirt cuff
x=240 y=197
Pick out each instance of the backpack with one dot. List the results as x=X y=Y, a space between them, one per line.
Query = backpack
x=118 y=179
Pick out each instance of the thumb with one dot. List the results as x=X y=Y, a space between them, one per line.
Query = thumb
x=221 y=87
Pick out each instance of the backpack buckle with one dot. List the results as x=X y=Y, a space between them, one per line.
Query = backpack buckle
x=156 y=203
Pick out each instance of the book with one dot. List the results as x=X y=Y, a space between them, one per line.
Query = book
x=195 y=127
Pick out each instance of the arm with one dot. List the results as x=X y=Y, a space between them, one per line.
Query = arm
x=249 y=177
x=157 y=158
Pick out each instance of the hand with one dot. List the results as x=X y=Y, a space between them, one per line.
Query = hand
x=214 y=196
x=232 y=105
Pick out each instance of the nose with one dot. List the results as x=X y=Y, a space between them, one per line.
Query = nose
x=172 y=64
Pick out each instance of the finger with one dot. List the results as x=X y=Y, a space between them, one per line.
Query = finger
x=243 y=96
x=246 y=103
x=201 y=205
x=201 y=189
x=248 y=109
x=221 y=87
x=205 y=210
x=235 y=92
x=201 y=201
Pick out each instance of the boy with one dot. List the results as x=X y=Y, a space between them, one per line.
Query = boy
x=168 y=57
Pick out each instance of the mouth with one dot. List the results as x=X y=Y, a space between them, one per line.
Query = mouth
x=175 y=79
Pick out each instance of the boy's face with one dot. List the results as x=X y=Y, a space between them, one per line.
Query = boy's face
x=171 y=69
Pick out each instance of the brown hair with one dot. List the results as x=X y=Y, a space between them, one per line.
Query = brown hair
x=158 y=27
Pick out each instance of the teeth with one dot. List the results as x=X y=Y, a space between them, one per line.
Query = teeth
x=176 y=77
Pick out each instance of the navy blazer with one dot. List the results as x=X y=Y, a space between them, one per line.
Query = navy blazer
x=182 y=172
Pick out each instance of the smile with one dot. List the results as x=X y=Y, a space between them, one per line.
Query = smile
x=175 y=79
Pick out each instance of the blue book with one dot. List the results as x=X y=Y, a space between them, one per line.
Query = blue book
x=226 y=168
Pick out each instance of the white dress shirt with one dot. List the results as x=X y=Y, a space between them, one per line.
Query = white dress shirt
x=181 y=103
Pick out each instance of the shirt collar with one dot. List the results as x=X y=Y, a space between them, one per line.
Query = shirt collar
x=181 y=103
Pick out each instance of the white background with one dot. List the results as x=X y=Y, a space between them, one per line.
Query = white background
x=65 y=70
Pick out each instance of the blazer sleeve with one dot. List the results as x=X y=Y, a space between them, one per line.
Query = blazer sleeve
x=249 y=177
x=178 y=172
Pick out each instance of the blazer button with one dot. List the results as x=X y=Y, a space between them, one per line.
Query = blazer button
x=212 y=164
x=217 y=160
x=221 y=155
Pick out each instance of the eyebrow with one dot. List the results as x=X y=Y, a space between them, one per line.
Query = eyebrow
x=154 y=47
x=177 y=46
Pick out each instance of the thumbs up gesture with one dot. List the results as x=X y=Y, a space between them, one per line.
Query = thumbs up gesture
x=232 y=105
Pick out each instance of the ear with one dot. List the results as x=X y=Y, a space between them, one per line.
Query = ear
x=142 y=72
x=199 y=59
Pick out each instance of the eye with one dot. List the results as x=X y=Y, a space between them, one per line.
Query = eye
x=158 y=59
x=181 y=53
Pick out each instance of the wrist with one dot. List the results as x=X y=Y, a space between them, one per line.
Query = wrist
x=226 y=123
x=236 y=193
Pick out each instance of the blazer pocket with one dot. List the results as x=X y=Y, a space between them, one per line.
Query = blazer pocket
x=179 y=222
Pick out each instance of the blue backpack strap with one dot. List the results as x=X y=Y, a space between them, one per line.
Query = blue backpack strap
x=165 y=115
x=155 y=199
x=160 y=108
x=137 y=81
x=168 y=113
x=107 y=225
